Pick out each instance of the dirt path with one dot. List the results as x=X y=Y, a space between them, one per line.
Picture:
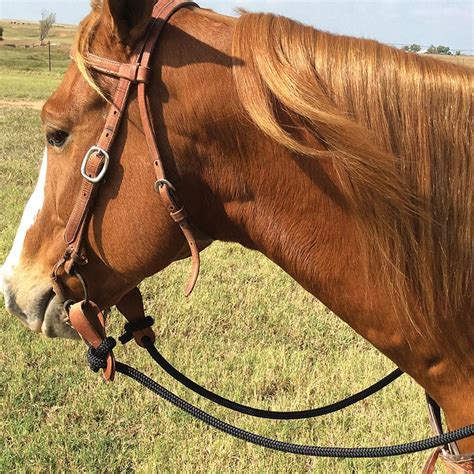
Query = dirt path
x=30 y=104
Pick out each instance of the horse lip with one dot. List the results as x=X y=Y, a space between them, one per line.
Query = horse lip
x=37 y=324
x=46 y=300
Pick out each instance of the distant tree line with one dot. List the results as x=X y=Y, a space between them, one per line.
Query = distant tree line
x=416 y=48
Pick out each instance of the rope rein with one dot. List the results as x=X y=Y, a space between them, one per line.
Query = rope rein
x=97 y=358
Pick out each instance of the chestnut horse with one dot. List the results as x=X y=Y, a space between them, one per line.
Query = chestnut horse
x=346 y=162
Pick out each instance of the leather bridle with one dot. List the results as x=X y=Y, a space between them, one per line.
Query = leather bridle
x=85 y=316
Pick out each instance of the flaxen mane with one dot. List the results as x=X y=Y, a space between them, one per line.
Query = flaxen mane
x=83 y=41
x=397 y=128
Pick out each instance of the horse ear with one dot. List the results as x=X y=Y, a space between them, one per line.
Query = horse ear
x=127 y=18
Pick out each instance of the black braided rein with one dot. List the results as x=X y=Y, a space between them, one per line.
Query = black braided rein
x=320 y=451
x=268 y=414
x=97 y=360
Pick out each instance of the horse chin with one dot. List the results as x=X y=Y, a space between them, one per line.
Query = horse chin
x=55 y=322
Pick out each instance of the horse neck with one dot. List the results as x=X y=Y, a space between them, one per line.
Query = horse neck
x=240 y=186
x=288 y=208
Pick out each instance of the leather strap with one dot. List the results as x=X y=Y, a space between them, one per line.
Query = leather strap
x=89 y=322
x=434 y=412
x=83 y=202
x=459 y=463
x=165 y=189
x=131 y=72
x=131 y=306
x=178 y=214
x=430 y=465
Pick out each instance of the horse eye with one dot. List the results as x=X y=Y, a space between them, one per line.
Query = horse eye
x=56 y=138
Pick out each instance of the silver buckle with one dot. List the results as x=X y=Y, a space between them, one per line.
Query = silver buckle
x=163 y=182
x=99 y=151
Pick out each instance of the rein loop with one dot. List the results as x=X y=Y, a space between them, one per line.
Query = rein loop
x=100 y=356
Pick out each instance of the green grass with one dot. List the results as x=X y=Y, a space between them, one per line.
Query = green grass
x=34 y=60
x=249 y=332
x=17 y=85
x=24 y=70
x=28 y=33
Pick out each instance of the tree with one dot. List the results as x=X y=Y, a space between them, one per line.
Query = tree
x=432 y=50
x=46 y=23
x=458 y=53
x=414 y=48
x=443 y=50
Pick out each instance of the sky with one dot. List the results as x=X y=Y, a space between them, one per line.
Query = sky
x=399 y=22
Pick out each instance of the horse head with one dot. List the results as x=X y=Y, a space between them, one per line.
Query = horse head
x=130 y=234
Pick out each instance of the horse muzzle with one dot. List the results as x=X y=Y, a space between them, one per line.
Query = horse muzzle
x=35 y=305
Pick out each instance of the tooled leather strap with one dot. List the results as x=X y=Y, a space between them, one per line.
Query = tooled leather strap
x=137 y=71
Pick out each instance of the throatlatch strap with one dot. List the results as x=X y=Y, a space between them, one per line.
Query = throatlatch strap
x=163 y=186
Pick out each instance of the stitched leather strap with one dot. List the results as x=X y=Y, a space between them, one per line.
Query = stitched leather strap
x=83 y=202
x=178 y=214
x=131 y=72
x=165 y=10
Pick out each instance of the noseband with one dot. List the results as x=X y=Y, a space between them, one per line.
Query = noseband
x=87 y=318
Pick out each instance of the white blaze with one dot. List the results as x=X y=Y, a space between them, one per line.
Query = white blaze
x=32 y=209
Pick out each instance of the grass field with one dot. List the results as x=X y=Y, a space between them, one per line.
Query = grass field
x=249 y=333
x=24 y=71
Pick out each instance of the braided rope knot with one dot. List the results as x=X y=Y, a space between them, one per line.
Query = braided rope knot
x=97 y=357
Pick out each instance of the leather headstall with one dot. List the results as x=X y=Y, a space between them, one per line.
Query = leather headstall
x=85 y=316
